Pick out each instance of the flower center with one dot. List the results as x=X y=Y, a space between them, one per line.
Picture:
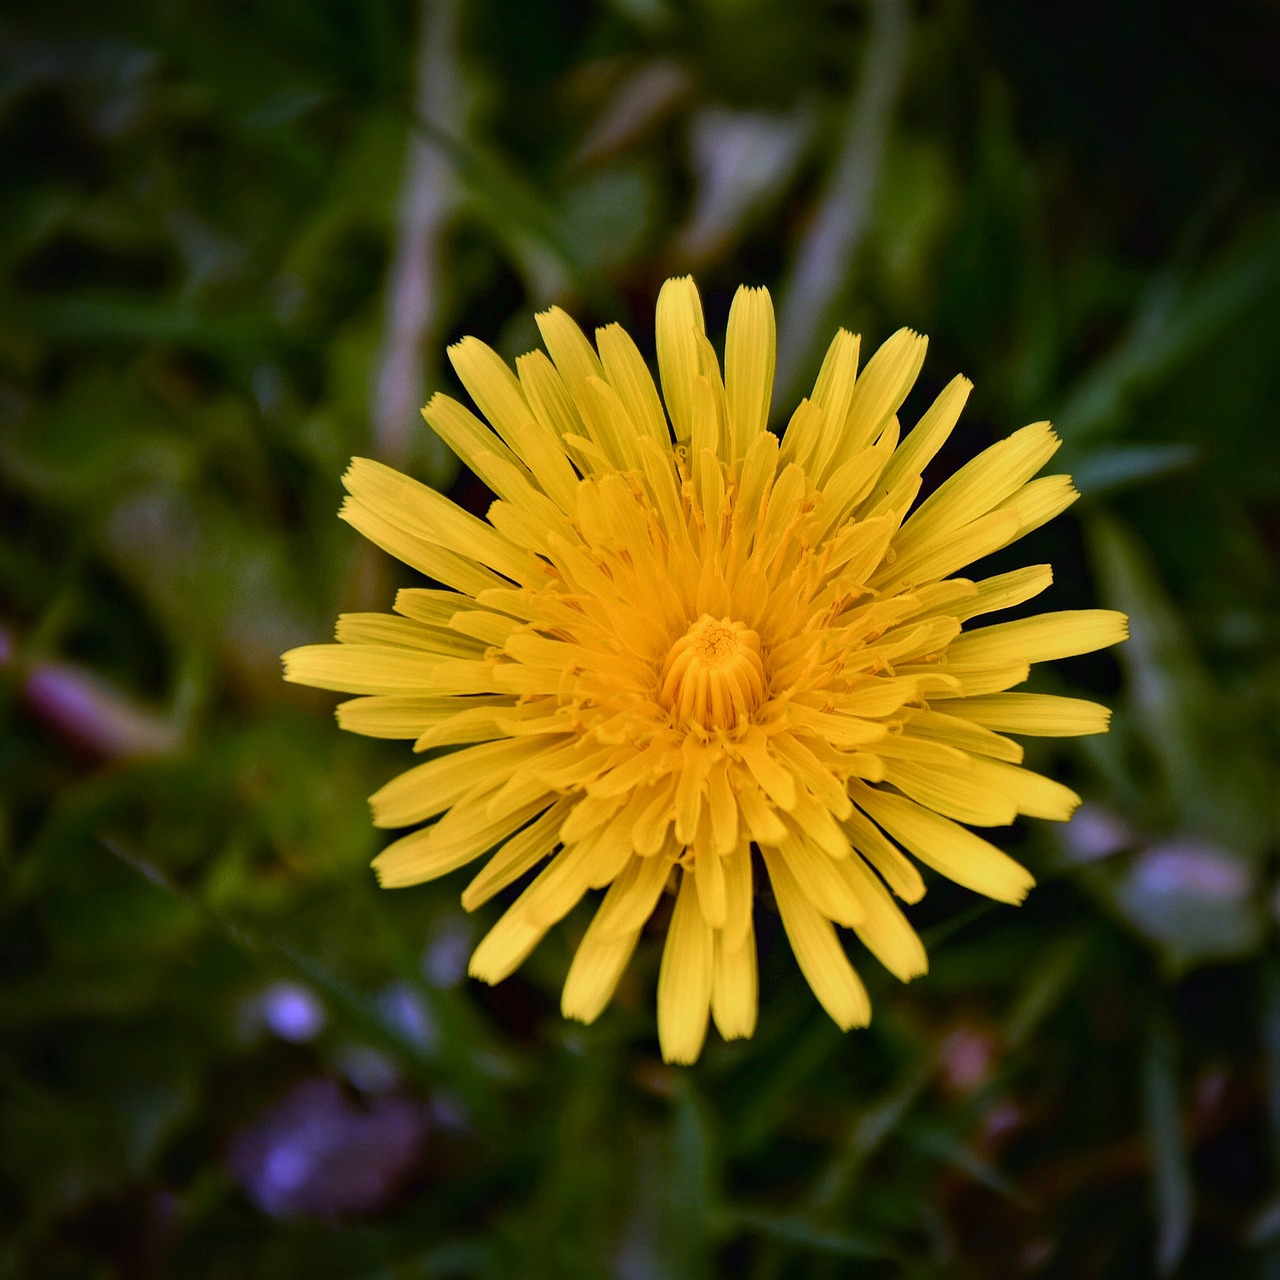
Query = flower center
x=714 y=674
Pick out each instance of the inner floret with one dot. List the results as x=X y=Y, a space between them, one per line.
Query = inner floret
x=714 y=674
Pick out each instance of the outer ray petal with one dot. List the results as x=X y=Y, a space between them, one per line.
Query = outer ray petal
x=679 y=325
x=749 y=358
x=818 y=951
x=684 y=981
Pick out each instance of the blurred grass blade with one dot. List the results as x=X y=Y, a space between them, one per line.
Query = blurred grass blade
x=415 y=276
x=1048 y=984
x=1166 y=682
x=1271 y=1047
x=803 y=1233
x=1103 y=471
x=943 y=1144
x=1172 y=322
x=825 y=259
x=512 y=205
x=774 y=1097
x=867 y=1136
x=1170 y=1165
x=690 y=1187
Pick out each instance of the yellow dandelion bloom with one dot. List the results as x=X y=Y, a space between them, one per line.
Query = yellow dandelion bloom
x=678 y=638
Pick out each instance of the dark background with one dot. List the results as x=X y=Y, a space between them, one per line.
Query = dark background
x=230 y=258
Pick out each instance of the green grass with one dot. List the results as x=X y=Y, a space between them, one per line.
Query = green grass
x=198 y=230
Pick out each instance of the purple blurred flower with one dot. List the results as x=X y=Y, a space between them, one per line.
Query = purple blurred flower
x=444 y=960
x=88 y=711
x=1186 y=867
x=1095 y=833
x=292 y=1012
x=317 y=1153
x=1198 y=900
x=404 y=1011
x=287 y=1010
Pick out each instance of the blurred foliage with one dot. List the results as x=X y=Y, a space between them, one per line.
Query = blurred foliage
x=199 y=231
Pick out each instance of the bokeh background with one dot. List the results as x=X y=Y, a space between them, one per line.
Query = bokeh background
x=235 y=239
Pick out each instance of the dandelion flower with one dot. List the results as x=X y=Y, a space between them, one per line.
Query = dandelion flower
x=678 y=640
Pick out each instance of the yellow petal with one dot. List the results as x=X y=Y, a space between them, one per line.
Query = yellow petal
x=899 y=872
x=1034 y=714
x=461 y=836
x=1041 y=639
x=432 y=787
x=493 y=387
x=735 y=986
x=384 y=629
x=827 y=788
x=749 y=355
x=629 y=376
x=593 y=976
x=400 y=715
x=777 y=782
x=480 y=624
x=612 y=426
x=883 y=929
x=505 y=947
x=1035 y=795
x=678 y=324
x=684 y=981
x=589 y=814
x=954 y=789
x=708 y=874
x=762 y=822
x=817 y=949
x=879 y=392
x=473 y=442
x=634 y=894
x=519 y=855
x=572 y=353
x=1005 y=590
x=1040 y=501
x=650 y=831
x=555 y=892
x=423 y=513
x=427 y=557
x=922 y=444
x=964 y=735
x=831 y=395
x=351 y=668
x=706 y=444
x=967 y=680
x=817 y=875
x=946 y=846
x=804 y=437
x=944 y=554
x=722 y=808
x=847 y=486
x=738 y=896
x=475 y=724
x=979 y=486
x=819 y=826
x=430 y=605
